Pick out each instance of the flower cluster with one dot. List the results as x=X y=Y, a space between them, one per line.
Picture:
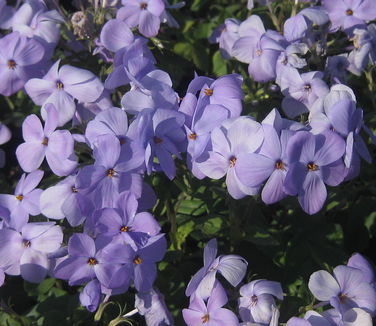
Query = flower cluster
x=351 y=293
x=117 y=243
x=208 y=296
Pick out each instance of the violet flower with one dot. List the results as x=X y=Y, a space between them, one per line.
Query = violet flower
x=125 y=225
x=231 y=267
x=89 y=260
x=110 y=173
x=144 y=262
x=161 y=134
x=314 y=160
x=61 y=86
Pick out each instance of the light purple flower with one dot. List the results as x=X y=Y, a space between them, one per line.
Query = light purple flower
x=116 y=35
x=269 y=163
x=230 y=145
x=34 y=21
x=347 y=14
x=256 y=301
x=5 y=136
x=61 y=86
x=346 y=290
x=152 y=306
x=146 y=14
x=25 y=200
x=65 y=199
x=55 y=145
x=359 y=262
x=301 y=90
x=231 y=267
x=91 y=294
x=212 y=313
x=112 y=121
x=25 y=252
x=18 y=58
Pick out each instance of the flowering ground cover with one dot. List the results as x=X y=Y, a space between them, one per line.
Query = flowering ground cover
x=187 y=163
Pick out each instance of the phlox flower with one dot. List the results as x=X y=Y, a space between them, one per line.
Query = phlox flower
x=231 y=267
x=26 y=252
x=55 y=145
x=61 y=86
x=210 y=313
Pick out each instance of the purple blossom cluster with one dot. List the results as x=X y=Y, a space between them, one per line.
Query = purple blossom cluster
x=351 y=293
x=106 y=196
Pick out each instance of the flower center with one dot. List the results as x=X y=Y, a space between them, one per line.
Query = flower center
x=26 y=243
x=232 y=161
x=342 y=297
x=45 y=141
x=19 y=197
x=74 y=189
x=349 y=12
x=137 y=260
x=143 y=5
x=157 y=140
x=192 y=136
x=254 y=300
x=312 y=166
x=208 y=92
x=92 y=261
x=111 y=173
x=307 y=87
x=59 y=85
x=122 y=141
x=258 y=52
x=124 y=228
x=279 y=165
x=12 y=64
x=205 y=318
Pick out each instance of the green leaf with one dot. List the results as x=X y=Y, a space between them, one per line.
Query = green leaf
x=183 y=232
x=219 y=64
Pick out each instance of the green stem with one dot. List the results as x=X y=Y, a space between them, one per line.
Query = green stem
x=171 y=215
x=10 y=103
x=369 y=77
